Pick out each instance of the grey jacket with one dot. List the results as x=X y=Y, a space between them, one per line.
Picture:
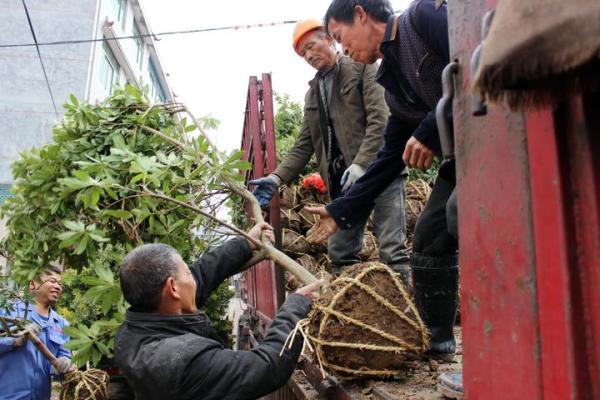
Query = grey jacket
x=176 y=357
x=359 y=114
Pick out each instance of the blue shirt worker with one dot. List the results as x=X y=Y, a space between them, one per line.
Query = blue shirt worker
x=25 y=374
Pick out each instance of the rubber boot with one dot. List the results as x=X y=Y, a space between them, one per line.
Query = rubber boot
x=435 y=286
x=403 y=271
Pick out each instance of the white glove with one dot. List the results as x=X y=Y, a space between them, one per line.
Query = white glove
x=21 y=340
x=351 y=175
x=64 y=366
x=34 y=328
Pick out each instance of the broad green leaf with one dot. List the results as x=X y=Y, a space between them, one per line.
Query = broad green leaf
x=82 y=244
x=117 y=213
x=77 y=226
x=105 y=274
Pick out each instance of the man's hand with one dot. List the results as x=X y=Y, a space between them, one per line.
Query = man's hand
x=19 y=341
x=31 y=328
x=265 y=187
x=311 y=291
x=417 y=155
x=256 y=233
x=324 y=228
x=351 y=175
x=64 y=366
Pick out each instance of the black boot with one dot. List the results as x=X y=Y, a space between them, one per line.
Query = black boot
x=435 y=285
x=403 y=271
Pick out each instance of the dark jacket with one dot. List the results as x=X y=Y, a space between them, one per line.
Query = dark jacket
x=358 y=112
x=173 y=357
x=415 y=52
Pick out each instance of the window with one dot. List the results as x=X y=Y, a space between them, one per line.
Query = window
x=109 y=69
x=156 y=91
x=4 y=192
x=139 y=46
x=119 y=8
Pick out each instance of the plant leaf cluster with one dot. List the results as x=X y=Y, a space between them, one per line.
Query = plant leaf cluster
x=85 y=200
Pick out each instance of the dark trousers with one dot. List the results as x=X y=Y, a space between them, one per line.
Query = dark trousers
x=436 y=232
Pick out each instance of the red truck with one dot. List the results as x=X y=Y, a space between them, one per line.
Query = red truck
x=529 y=220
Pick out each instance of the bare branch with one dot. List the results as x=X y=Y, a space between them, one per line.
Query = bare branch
x=169 y=139
x=202 y=212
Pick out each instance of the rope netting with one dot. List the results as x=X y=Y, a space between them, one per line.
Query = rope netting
x=375 y=338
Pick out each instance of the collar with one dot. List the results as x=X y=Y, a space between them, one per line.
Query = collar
x=34 y=315
x=334 y=70
x=169 y=323
x=391 y=32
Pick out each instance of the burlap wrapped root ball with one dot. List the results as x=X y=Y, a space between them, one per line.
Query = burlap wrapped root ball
x=365 y=325
x=417 y=194
x=85 y=385
x=308 y=219
x=289 y=196
x=294 y=242
x=291 y=220
x=370 y=247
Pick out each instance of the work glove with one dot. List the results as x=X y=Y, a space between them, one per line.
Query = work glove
x=351 y=175
x=265 y=188
x=64 y=366
x=22 y=339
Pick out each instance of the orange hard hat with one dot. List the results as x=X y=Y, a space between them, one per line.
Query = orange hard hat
x=302 y=28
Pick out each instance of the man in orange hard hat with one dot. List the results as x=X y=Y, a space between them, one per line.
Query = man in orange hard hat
x=344 y=118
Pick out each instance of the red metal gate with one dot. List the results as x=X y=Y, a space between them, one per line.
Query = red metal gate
x=529 y=210
x=263 y=288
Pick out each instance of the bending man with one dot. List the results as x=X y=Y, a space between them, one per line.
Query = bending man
x=168 y=349
x=414 y=48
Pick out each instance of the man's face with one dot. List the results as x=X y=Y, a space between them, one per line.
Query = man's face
x=186 y=284
x=317 y=50
x=356 y=39
x=47 y=288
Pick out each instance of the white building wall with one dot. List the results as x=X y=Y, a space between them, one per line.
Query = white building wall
x=26 y=111
x=132 y=69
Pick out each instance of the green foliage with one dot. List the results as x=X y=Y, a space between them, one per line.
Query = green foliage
x=288 y=124
x=95 y=187
x=93 y=304
x=217 y=305
x=288 y=119
x=428 y=176
x=11 y=292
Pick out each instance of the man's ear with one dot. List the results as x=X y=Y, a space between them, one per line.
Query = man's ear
x=170 y=288
x=360 y=15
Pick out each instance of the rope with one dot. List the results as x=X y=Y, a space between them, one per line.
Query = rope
x=289 y=341
x=329 y=311
x=360 y=324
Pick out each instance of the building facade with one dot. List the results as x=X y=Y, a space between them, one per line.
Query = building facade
x=89 y=70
